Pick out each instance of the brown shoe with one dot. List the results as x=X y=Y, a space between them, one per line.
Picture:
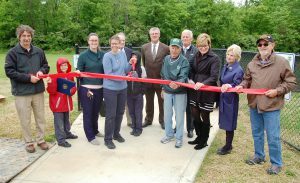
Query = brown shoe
x=43 y=146
x=30 y=148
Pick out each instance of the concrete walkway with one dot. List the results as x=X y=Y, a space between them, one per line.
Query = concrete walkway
x=139 y=159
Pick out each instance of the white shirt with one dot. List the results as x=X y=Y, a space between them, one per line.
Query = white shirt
x=156 y=46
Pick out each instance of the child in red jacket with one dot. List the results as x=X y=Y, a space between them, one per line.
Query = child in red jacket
x=61 y=104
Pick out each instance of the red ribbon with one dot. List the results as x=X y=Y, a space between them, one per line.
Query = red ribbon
x=154 y=81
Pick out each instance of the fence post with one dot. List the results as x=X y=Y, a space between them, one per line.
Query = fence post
x=77 y=52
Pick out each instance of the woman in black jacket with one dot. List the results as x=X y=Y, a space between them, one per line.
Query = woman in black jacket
x=204 y=71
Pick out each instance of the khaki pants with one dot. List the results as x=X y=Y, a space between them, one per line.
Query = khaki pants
x=24 y=104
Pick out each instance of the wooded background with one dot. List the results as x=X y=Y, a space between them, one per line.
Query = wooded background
x=59 y=24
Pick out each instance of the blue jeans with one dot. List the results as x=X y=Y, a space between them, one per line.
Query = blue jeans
x=270 y=122
x=178 y=101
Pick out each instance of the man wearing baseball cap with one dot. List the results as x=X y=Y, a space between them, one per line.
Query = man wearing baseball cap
x=175 y=68
x=273 y=72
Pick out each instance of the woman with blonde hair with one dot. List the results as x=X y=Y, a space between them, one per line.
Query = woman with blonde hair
x=204 y=71
x=231 y=76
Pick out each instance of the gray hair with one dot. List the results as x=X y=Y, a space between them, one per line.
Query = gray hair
x=237 y=51
x=121 y=34
x=154 y=29
x=188 y=32
x=22 y=28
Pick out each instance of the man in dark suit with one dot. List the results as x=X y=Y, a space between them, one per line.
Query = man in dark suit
x=128 y=53
x=189 y=51
x=153 y=54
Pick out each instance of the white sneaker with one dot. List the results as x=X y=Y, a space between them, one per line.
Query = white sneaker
x=95 y=142
x=167 y=139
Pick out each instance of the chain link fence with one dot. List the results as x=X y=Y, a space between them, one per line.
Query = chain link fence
x=290 y=114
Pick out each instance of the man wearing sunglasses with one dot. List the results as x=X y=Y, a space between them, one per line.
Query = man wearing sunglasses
x=273 y=72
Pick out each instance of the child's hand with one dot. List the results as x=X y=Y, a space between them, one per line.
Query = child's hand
x=77 y=71
x=48 y=80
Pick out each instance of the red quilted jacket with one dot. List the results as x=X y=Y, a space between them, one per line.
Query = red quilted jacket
x=60 y=102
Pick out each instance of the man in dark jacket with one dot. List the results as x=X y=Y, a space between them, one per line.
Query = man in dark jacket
x=23 y=65
x=189 y=51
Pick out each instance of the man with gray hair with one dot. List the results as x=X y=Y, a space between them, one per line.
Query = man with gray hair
x=189 y=51
x=153 y=54
x=24 y=63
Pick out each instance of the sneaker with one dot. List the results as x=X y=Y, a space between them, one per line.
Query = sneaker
x=255 y=160
x=110 y=145
x=178 y=143
x=95 y=142
x=71 y=136
x=119 y=138
x=43 y=146
x=99 y=134
x=167 y=139
x=274 y=170
x=65 y=144
x=30 y=148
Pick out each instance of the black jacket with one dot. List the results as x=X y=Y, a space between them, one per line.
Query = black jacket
x=20 y=65
x=205 y=69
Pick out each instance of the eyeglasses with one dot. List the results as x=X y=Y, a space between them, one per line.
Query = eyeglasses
x=265 y=45
x=202 y=46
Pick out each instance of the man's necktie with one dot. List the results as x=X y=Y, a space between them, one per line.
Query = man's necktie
x=154 y=51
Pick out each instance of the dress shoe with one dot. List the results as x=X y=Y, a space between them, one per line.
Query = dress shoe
x=119 y=138
x=72 y=136
x=162 y=125
x=30 y=148
x=224 y=150
x=43 y=146
x=137 y=133
x=65 y=144
x=200 y=146
x=190 y=134
x=194 y=142
x=110 y=145
x=145 y=124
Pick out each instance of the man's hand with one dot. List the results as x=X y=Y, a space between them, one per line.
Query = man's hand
x=237 y=88
x=34 y=79
x=225 y=87
x=271 y=93
x=198 y=85
x=173 y=85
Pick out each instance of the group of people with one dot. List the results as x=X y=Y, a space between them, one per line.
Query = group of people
x=181 y=61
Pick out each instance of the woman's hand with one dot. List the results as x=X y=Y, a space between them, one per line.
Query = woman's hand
x=198 y=85
x=225 y=87
x=237 y=88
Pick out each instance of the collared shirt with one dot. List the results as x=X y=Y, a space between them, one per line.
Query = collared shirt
x=185 y=49
x=156 y=46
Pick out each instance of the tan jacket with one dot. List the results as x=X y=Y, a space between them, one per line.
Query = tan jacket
x=276 y=74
